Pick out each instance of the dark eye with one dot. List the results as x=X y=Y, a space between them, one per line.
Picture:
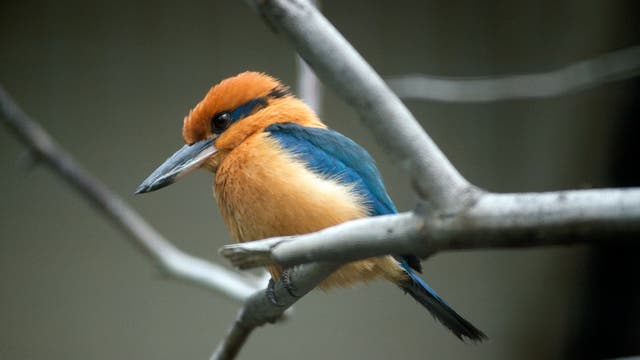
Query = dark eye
x=220 y=122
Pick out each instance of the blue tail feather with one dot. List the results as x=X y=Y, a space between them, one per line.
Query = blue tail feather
x=425 y=295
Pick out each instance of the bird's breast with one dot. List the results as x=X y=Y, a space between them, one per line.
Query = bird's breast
x=262 y=190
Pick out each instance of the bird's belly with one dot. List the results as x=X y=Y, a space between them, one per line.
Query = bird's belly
x=264 y=193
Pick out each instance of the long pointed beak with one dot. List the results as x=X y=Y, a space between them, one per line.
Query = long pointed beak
x=185 y=160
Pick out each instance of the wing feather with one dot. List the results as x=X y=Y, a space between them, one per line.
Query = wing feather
x=333 y=155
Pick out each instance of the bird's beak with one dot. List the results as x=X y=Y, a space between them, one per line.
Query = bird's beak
x=185 y=160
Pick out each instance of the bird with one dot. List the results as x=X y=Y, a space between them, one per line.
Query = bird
x=279 y=170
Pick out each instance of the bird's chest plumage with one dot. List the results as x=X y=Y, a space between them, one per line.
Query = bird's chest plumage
x=262 y=191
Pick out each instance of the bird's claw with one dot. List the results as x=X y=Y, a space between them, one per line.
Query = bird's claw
x=271 y=293
x=287 y=282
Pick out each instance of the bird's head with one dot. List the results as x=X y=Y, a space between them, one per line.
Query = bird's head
x=231 y=112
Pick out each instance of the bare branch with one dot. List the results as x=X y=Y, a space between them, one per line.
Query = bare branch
x=259 y=310
x=309 y=87
x=231 y=344
x=457 y=206
x=166 y=257
x=494 y=221
x=352 y=78
x=582 y=75
x=541 y=219
x=358 y=239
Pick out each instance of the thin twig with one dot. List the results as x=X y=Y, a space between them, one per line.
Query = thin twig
x=494 y=221
x=352 y=78
x=165 y=255
x=309 y=87
x=582 y=75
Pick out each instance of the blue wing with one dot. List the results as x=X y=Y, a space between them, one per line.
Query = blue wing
x=334 y=155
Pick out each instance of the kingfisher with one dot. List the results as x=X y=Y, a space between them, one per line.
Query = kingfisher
x=279 y=170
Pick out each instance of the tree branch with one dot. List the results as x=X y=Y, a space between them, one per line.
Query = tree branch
x=352 y=78
x=458 y=211
x=582 y=75
x=165 y=255
x=309 y=87
x=357 y=239
x=259 y=310
x=493 y=221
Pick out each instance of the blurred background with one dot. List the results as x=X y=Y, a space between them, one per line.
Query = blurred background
x=111 y=81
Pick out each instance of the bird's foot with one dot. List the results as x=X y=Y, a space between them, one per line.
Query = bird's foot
x=271 y=293
x=287 y=282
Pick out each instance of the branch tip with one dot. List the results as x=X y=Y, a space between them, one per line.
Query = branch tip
x=245 y=256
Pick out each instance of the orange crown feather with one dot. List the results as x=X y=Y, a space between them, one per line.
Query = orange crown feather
x=227 y=95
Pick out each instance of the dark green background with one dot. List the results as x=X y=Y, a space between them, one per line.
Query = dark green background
x=112 y=81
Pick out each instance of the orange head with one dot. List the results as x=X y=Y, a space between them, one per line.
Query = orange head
x=230 y=112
